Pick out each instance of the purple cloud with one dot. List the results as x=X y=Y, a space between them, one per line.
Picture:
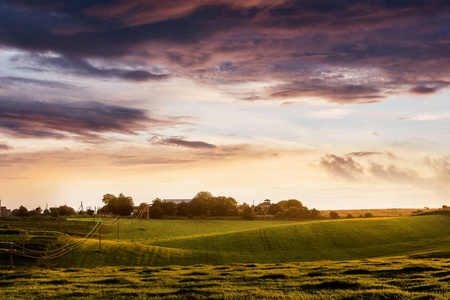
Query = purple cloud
x=58 y=120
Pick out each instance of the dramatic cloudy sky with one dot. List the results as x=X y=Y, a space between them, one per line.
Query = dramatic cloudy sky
x=340 y=104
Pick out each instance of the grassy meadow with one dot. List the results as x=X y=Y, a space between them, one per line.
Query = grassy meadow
x=393 y=278
x=218 y=242
x=370 y=258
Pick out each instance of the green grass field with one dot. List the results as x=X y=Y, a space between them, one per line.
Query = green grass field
x=375 y=258
x=350 y=280
x=217 y=242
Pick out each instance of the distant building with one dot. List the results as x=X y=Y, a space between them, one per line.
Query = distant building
x=4 y=212
x=177 y=201
x=262 y=208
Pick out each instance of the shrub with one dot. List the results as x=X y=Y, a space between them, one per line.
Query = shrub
x=280 y=216
x=247 y=213
x=334 y=215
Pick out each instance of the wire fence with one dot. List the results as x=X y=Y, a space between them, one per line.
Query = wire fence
x=22 y=251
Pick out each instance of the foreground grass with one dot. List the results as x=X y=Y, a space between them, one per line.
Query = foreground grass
x=190 y=242
x=390 y=278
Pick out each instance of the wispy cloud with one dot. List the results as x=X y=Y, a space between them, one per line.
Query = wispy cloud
x=364 y=169
x=5 y=147
x=428 y=116
x=342 y=167
x=180 y=141
x=11 y=80
x=83 y=67
x=58 y=120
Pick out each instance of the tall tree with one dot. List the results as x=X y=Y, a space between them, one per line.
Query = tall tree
x=121 y=205
x=124 y=205
x=199 y=204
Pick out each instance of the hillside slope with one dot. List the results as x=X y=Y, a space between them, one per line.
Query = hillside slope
x=305 y=241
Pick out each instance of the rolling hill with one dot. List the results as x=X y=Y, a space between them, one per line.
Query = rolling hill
x=190 y=242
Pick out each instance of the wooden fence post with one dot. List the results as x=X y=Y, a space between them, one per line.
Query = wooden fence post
x=11 y=256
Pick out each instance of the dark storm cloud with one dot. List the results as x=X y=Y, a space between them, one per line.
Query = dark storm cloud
x=58 y=120
x=361 y=51
x=113 y=40
x=179 y=141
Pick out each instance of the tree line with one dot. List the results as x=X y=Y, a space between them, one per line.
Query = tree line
x=62 y=210
x=205 y=204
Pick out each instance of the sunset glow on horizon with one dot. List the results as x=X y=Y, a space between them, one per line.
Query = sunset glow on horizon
x=339 y=104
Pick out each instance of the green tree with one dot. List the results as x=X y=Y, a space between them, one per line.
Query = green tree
x=156 y=210
x=280 y=216
x=124 y=205
x=315 y=214
x=54 y=212
x=121 y=205
x=274 y=209
x=65 y=210
x=247 y=213
x=200 y=203
x=110 y=202
x=169 y=208
x=183 y=209
x=22 y=211
x=286 y=204
x=222 y=206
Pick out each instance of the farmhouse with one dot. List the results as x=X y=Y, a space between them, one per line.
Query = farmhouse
x=262 y=207
x=177 y=201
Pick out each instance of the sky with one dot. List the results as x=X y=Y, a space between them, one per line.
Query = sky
x=339 y=104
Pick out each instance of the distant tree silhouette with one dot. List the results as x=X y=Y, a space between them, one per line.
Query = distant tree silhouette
x=247 y=212
x=368 y=215
x=22 y=211
x=334 y=215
